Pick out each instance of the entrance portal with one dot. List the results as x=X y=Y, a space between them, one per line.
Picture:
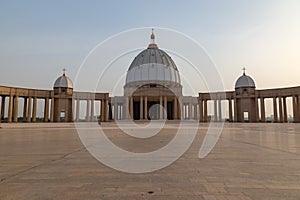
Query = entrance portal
x=170 y=111
x=153 y=110
x=153 y=102
x=136 y=110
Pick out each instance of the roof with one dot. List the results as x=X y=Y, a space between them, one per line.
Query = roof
x=153 y=56
x=153 y=65
x=63 y=82
x=244 y=81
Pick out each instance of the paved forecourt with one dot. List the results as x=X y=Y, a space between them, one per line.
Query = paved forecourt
x=250 y=161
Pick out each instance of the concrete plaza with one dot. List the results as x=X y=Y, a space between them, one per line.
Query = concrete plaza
x=250 y=161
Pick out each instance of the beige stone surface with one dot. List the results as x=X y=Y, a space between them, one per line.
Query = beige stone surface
x=250 y=161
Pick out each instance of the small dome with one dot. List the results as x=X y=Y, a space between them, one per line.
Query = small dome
x=63 y=82
x=244 y=81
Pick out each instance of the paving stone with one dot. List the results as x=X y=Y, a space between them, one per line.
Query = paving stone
x=249 y=161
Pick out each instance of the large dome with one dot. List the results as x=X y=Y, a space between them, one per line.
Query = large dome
x=63 y=82
x=153 y=65
x=244 y=81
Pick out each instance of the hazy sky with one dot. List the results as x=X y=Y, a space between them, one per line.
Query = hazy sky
x=39 y=38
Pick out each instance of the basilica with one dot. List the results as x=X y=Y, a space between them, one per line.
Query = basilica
x=152 y=91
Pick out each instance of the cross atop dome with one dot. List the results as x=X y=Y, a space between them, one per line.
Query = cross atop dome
x=64 y=71
x=244 y=71
x=152 y=44
x=152 y=37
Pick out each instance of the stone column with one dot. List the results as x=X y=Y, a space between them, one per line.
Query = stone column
x=25 y=110
x=200 y=103
x=183 y=110
x=275 y=109
x=190 y=109
x=285 y=119
x=141 y=108
x=256 y=110
x=160 y=108
x=106 y=110
x=195 y=112
x=230 y=109
x=180 y=106
x=34 y=109
x=87 y=117
x=175 y=108
x=15 y=110
x=46 y=109
x=235 y=110
x=166 y=107
x=121 y=111
x=77 y=109
x=298 y=107
x=215 y=111
x=131 y=108
x=52 y=110
x=125 y=108
x=220 y=110
x=280 y=110
x=28 y=118
x=72 y=117
x=102 y=110
x=146 y=108
x=205 y=111
x=10 y=108
x=66 y=111
x=116 y=111
x=2 y=108
x=57 y=111
x=92 y=110
x=262 y=110
x=295 y=113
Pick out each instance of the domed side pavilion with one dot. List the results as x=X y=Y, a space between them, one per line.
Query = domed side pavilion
x=59 y=104
x=246 y=104
x=152 y=91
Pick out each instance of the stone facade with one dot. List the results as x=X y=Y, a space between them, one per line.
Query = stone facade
x=152 y=90
x=59 y=102
x=247 y=100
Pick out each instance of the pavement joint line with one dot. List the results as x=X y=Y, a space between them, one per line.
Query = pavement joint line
x=2 y=180
x=265 y=147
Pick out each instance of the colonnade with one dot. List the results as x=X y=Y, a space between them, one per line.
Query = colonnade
x=55 y=108
x=90 y=110
x=190 y=108
x=182 y=107
x=29 y=109
x=217 y=110
x=143 y=100
x=199 y=111
x=256 y=110
x=279 y=109
x=144 y=107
